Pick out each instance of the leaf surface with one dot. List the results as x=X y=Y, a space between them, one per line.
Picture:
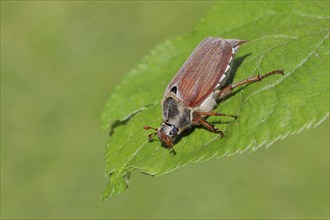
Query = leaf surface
x=291 y=36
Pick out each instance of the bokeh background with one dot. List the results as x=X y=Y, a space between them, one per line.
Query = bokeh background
x=60 y=61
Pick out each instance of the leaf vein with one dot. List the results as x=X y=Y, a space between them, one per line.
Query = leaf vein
x=303 y=61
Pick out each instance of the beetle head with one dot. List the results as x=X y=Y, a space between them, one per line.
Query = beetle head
x=167 y=133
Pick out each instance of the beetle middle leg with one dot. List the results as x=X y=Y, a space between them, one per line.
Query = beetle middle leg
x=215 y=114
x=198 y=120
x=226 y=91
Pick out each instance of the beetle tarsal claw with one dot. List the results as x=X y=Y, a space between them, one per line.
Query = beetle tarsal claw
x=217 y=131
x=221 y=133
x=171 y=150
x=150 y=136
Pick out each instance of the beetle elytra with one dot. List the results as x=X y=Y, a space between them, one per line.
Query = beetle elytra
x=195 y=90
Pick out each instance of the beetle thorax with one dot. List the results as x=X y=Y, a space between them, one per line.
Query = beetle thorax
x=176 y=113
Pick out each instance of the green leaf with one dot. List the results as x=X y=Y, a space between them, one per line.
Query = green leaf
x=291 y=36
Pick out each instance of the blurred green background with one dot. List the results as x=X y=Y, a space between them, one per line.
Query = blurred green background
x=59 y=62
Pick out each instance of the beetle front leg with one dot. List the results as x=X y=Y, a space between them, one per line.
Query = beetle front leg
x=152 y=134
x=199 y=121
x=226 y=91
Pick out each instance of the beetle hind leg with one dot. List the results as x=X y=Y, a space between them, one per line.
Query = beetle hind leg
x=227 y=90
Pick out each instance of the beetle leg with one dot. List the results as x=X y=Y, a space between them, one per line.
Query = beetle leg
x=215 y=114
x=226 y=91
x=152 y=134
x=199 y=121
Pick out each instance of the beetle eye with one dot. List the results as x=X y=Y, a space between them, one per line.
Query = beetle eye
x=173 y=131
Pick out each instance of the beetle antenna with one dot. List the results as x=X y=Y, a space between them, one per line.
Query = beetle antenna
x=242 y=42
x=148 y=127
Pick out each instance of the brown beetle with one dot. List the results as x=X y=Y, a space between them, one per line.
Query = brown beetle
x=194 y=91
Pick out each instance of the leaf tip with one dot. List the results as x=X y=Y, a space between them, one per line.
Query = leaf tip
x=118 y=182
